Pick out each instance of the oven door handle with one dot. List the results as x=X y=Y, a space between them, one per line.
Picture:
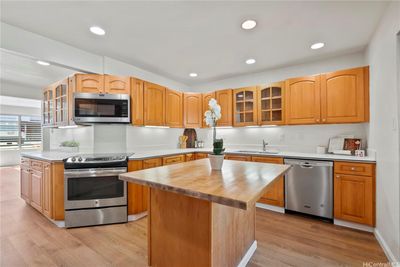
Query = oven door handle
x=94 y=172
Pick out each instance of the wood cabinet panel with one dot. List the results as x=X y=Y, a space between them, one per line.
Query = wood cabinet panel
x=36 y=165
x=137 y=198
x=354 y=198
x=152 y=163
x=238 y=157
x=25 y=182
x=173 y=108
x=173 y=159
x=343 y=96
x=201 y=155
x=353 y=168
x=224 y=99
x=271 y=104
x=303 y=100
x=89 y=83
x=154 y=104
x=245 y=106
x=57 y=173
x=117 y=84
x=47 y=191
x=37 y=190
x=192 y=105
x=206 y=97
x=189 y=157
x=137 y=102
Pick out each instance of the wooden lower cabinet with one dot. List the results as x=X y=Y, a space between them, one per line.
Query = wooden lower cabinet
x=354 y=195
x=201 y=155
x=152 y=163
x=238 y=157
x=275 y=194
x=189 y=157
x=37 y=189
x=25 y=183
x=173 y=159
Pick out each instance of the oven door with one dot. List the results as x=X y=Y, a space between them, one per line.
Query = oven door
x=92 y=108
x=93 y=188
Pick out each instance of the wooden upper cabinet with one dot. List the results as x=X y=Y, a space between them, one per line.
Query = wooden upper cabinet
x=192 y=114
x=154 y=104
x=137 y=98
x=206 y=97
x=245 y=106
x=344 y=96
x=117 y=84
x=224 y=99
x=173 y=108
x=271 y=104
x=89 y=83
x=303 y=100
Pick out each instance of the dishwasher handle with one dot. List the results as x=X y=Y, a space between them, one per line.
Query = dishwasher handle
x=308 y=164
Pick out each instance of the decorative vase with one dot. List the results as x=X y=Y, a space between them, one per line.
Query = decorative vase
x=216 y=161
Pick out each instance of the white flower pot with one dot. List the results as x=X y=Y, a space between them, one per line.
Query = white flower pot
x=216 y=161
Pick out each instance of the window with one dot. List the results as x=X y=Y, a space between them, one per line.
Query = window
x=20 y=132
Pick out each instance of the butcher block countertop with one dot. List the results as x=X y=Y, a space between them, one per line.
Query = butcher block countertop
x=239 y=184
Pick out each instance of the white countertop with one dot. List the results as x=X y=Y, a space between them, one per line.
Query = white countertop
x=59 y=156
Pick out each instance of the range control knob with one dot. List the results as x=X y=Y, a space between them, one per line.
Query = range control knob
x=73 y=159
x=80 y=159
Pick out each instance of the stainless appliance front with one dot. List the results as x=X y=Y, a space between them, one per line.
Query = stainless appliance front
x=97 y=108
x=309 y=187
x=94 y=196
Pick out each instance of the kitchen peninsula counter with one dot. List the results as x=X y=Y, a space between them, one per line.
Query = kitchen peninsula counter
x=206 y=217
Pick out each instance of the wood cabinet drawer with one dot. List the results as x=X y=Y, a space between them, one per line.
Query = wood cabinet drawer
x=189 y=157
x=25 y=162
x=365 y=169
x=201 y=155
x=152 y=163
x=238 y=157
x=37 y=165
x=274 y=160
x=173 y=159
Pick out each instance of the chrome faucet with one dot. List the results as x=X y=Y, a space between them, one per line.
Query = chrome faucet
x=265 y=144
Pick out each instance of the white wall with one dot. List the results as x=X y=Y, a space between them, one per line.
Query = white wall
x=280 y=74
x=384 y=129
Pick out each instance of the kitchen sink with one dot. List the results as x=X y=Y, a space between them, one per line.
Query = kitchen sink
x=258 y=151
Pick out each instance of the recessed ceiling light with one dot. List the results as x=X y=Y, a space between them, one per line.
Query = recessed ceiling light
x=43 y=63
x=193 y=74
x=317 y=45
x=249 y=24
x=97 y=30
x=250 y=61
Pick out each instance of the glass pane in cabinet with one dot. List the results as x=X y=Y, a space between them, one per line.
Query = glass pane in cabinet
x=276 y=115
x=45 y=118
x=63 y=89
x=248 y=106
x=276 y=91
x=58 y=91
x=266 y=116
x=45 y=96
x=276 y=103
x=50 y=103
x=265 y=93
x=240 y=96
x=44 y=106
x=265 y=104
x=51 y=118
x=58 y=103
x=65 y=115
x=58 y=116
x=240 y=117
x=249 y=95
x=239 y=107
x=249 y=117
x=50 y=94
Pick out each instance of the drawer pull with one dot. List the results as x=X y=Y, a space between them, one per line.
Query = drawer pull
x=353 y=169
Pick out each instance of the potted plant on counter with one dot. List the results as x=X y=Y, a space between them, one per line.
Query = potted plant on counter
x=211 y=116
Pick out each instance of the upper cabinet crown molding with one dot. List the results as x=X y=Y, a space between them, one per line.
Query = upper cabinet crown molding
x=303 y=98
x=192 y=105
x=154 y=104
x=173 y=108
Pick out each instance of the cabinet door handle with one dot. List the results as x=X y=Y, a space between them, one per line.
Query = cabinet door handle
x=337 y=176
x=323 y=120
x=353 y=169
x=317 y=120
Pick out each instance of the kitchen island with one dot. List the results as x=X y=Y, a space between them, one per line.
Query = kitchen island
x=203 y=217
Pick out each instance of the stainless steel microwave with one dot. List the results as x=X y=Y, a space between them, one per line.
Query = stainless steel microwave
x=101 y=108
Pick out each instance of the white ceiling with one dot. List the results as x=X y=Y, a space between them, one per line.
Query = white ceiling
x=175 y=38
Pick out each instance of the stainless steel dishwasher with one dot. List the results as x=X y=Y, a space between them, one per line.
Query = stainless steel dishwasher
x=309 y=187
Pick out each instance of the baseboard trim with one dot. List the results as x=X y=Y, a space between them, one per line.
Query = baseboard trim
x=135 y=217
x=388 y=252
x=270 y=207
x=246 y=258
x=352 y=225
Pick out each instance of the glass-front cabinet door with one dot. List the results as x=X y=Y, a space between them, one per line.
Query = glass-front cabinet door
x=245 y=106
x=271 y=104
x=61 y=103
x=47 y=106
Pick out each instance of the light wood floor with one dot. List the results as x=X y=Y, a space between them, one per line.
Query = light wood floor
x=29 y=239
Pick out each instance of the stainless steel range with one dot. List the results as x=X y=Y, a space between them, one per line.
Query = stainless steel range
x=93 y=194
